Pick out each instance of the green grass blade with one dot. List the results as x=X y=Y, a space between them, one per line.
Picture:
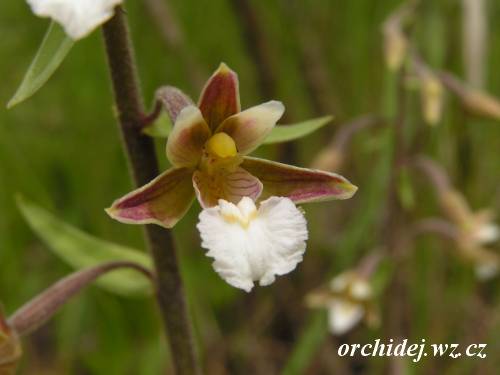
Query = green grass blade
x=285 y=133
x=54 y=48
x=313 y=335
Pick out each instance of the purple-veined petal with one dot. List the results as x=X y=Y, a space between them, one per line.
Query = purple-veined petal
x=230 y=186
x=250 y=127
x=163 y=201
x=301 y=185
x=173 y=99
x=220 y=97
x=185 y=142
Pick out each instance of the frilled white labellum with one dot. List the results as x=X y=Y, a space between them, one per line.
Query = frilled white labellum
x=250 y=244
x=78 y=17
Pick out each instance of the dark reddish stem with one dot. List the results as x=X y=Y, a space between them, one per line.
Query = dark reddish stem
x=42 y=307
x=143 y=165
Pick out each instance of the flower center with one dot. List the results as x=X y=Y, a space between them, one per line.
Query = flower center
x=220 y=157
x=221 y=145
x=242 y=213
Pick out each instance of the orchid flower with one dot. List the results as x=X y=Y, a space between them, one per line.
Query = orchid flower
x=208 y=149
x=348 y=299
x=78 y=17
x=476 y=228
x=250 y=244
x=10 y=348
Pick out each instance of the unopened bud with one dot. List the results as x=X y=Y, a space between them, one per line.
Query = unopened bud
x=395 y=40
x=482 y=104
x=475 y=101
x=432 y=94
x=173 y=100
x=395 y=47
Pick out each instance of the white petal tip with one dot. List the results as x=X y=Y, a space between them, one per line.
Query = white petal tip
x=78 y=18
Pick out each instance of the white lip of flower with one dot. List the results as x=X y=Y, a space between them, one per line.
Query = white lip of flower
x=487 y=233
x=344 y=315
x=78 y=17
x=250 y=244
x=347 y=308
x=486 y=271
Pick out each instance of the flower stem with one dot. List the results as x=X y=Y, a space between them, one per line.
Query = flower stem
x=41 y=308
x=144 y=167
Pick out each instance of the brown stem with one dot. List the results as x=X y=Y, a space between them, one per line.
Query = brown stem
x=437 y=226
x=144 y=167
x=435 y=174
x=41 y=308
x=369 y=264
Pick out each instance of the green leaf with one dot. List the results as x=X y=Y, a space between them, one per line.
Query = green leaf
x=285 y=133
x=405 y=189
x=54 y=48
x=161 y=128
x=314 y=333
x=81 y=250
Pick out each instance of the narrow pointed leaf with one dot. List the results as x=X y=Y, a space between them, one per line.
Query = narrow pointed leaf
x=81 y=250
x=285 y=133
x=54 y=48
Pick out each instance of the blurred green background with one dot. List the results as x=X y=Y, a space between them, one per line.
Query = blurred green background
x=61 y=149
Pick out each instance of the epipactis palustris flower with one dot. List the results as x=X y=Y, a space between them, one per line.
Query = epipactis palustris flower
x=250 y=244
x=475 y=230
x=208 y=149
x=78 y=17
x=478 y=228
x=348 y=299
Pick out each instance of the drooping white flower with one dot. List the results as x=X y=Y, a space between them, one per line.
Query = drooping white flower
x=78 y=17
x=348 y=308
x=348 y=300
x=250 y=244
x=344 y=315
x=486 y=270
x=487 y=233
